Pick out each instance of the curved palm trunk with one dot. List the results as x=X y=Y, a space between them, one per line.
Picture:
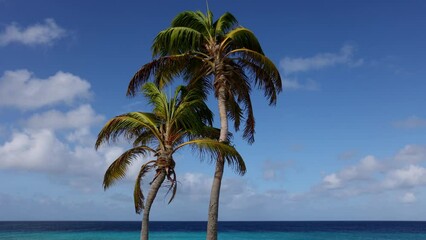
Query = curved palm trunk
x=217 y=180
x=155 y=186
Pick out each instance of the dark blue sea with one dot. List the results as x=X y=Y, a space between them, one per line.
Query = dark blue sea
x=300 y=230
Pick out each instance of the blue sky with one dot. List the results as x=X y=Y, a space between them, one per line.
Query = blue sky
x=346 y=140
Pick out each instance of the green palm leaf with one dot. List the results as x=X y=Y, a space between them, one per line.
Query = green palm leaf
x=117 y=169
x=242 y=38
x=176 y=40
x=127 y=125
x=212 y=149
x=263 y=70
x=226 y=22
x=162 y=70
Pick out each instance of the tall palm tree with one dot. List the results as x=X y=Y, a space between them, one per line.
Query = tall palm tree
x=218 y=55
x=183 y=120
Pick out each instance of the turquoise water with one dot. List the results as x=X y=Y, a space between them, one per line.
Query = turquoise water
x=222 y=236
x=374 y=230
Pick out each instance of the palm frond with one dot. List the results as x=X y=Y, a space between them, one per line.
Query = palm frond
x=241 y=37
x=194 y=20
x=162 y=70
x=158 y=100
x=138 y=196
x=144 y=138
x=249 y=127
x=215 y=149
x=198 y=76
x=263 y=70
x=173 y=185
x=225 y=23
x=235 y=113
x=238 y=102
x=176 y=40
x=117 y=169
x=127 y=124
x=206 y=132
x=192 y=111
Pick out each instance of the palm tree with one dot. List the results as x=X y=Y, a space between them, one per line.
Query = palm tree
x=218 y=55
x=182 y=120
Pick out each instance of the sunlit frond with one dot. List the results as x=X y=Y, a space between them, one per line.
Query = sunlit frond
x=241 y=37
x=176 y=40
x=212 y=149
x=117 y=169
x=126 y=125
x=194 y=20
x=157 y=99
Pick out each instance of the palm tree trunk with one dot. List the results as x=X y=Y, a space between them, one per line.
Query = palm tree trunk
x=155 y=186
x=217 y=180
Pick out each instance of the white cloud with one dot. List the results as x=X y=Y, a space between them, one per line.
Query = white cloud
x=409 y=197
x=37 y=147
x=22 y=90
x=371 y=176
x=83 y=116
x=359 y=172
x=295 y=84
x=42 y=151
x=407 y=177
x=411 y=154
x=332 y=181
x=36 y=151
x=38 y=34
x=54 y=143
x=321 y=60
x=411 y=123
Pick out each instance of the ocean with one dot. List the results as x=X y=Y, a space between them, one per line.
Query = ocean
x=288 y=230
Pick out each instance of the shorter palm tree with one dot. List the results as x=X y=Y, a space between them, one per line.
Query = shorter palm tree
x=183 y=120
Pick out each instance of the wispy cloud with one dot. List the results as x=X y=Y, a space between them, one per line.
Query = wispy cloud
x=411 y=123
x=274 y=170
x=346 y=155
x=321 y=60
x=20 y=89
x=295 y=84
x=411 y=154
x=38 y=34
